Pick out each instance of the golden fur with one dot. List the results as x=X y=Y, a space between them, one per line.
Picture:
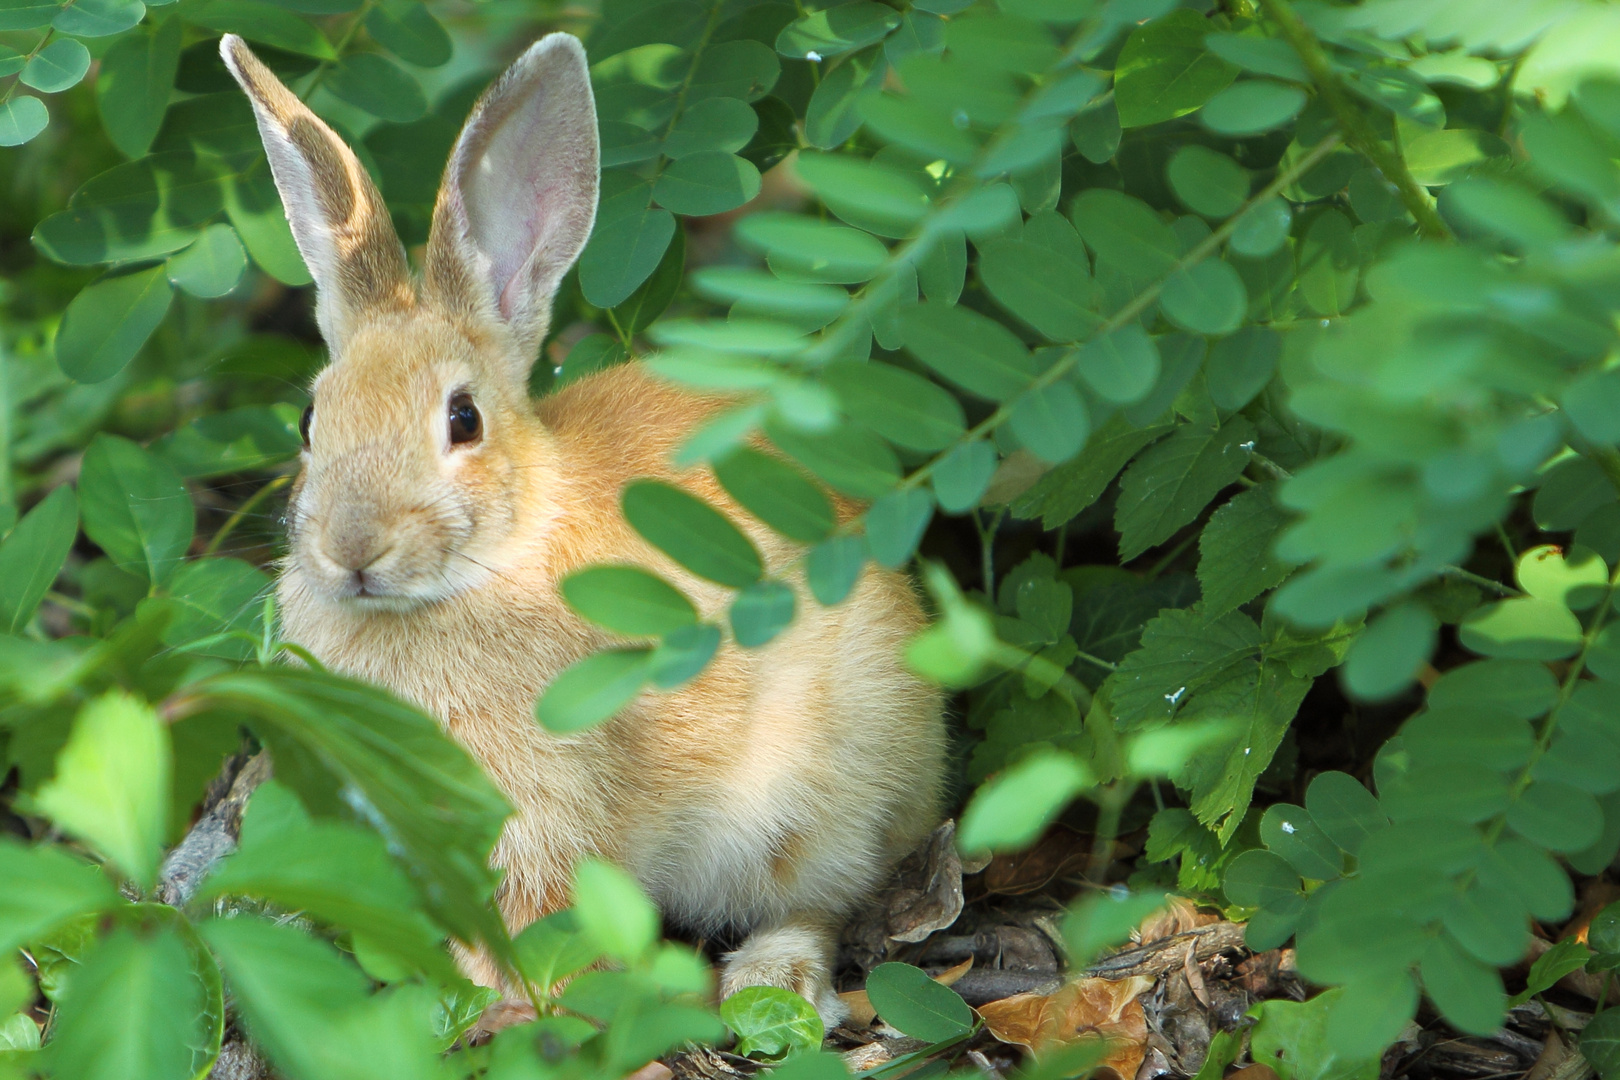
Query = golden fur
x=773 y=792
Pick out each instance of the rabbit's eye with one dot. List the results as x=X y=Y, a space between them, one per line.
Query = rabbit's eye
x=303 y=424
x=465 y=424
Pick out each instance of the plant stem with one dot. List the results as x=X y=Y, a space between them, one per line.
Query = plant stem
x=1096 y=660
x=243 y=511
x=1483 y=582
x=1358 y=130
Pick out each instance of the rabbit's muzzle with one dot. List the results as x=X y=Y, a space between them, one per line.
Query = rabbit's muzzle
x=357 y=544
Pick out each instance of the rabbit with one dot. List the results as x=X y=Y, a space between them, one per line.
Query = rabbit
x=438 y=507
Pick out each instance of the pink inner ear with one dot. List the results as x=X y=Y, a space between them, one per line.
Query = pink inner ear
x=511 y=266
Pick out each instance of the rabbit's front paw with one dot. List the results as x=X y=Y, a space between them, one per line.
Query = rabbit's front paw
x=792 y=957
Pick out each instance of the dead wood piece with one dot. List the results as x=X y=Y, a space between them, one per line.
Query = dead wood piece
x=982 y=987
x=703 y=1063
x=1471 y=1057
x=1011 y=948
x=239 y=1061
x=1158 y=957
x=216 y=832
x=866 y=1057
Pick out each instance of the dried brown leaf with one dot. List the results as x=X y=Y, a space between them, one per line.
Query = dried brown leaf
x=1079 y=1010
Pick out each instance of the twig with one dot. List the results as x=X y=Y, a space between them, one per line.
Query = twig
x=1358 y=130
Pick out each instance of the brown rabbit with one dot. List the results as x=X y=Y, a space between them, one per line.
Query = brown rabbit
x=439 y=507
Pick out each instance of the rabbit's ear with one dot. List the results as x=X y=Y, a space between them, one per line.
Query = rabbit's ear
x=337 y=216
x=519 y=196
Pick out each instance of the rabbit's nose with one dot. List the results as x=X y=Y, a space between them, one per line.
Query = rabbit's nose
x=357 y=555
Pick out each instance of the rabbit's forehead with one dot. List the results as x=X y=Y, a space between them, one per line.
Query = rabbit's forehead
x=414 y=361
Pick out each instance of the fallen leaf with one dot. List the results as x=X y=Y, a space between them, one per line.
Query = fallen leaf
x=1178 y=916
x=1082 y=1009
x=1060 y=851
x=653 y=1070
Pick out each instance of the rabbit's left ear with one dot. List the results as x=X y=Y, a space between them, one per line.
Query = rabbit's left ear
x=519 y=196
x=338 y=218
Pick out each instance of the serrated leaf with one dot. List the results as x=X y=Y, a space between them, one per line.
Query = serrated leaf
x=1170 y=484
x=1236 y=561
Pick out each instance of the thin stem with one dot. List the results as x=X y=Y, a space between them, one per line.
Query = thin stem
x=50 y=32
x=1270 y=466
x=1058 y=546
x=1097 y=661
x=1483 y=582
x=1175 y=553
x=244 y=510
x=1358 y=130
x=987 y=550
x=1507 y=544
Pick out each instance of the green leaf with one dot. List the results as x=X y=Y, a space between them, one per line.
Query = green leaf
x=961 y=477
x=135 y=508
x=57 y=66
x=613 y=911
x=1291 y=832
x=138 y=210
x=691 y=532
x=27 y=14
x=867 y=194
x=109 y=321
x=1262 y=228
x=410 y=32
x=628 y=600
x=1345 y=810
x=1164 y=70
x=969 y=349
x=1258 y=877
x=772 y=1023
x=373 y=83
x=43 y=887
x=263 y=23
x=98 y=18
x=761 y=611
x=1011 y=810
x=836 y=30
x=759 y=293
x=895 y=524
x=1241 y=365
x=1051 y=422
x=834 y=113
x=111 y=787
x=32 y=556
x=849 y=458
x=909 y=1000
x=1467 y=991
x=1104 y=919
x=132 y=1013
x=705 y=183
x=1205 y=298
x=1521 y=688
x=1121 y=367
x=1046 y=282
x=213 y=596
x=776 y=493
x=721 y=124
x=804 y=249
x=592 y=690
x=1207 y=182
x=21 y=118
x=1556 y=816
x=211 y=266
x=626 y=245
x=1564 y=957
x=330 y=734
x=683 y=654
x=1261 y=55
x=334 y=871
x=1125 y=233
x=1252 y=107
x=1386 y=658
x=1576 y=579
x=553 y=948
x=1070 y=488
x=1523 y=628
x=900 y=405
x=133 y=86
x=1236 y=561
x=833 y=566
x=1170 y=483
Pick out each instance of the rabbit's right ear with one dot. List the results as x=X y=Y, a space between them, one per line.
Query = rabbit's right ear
x=519 y=197
x=338 y=218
